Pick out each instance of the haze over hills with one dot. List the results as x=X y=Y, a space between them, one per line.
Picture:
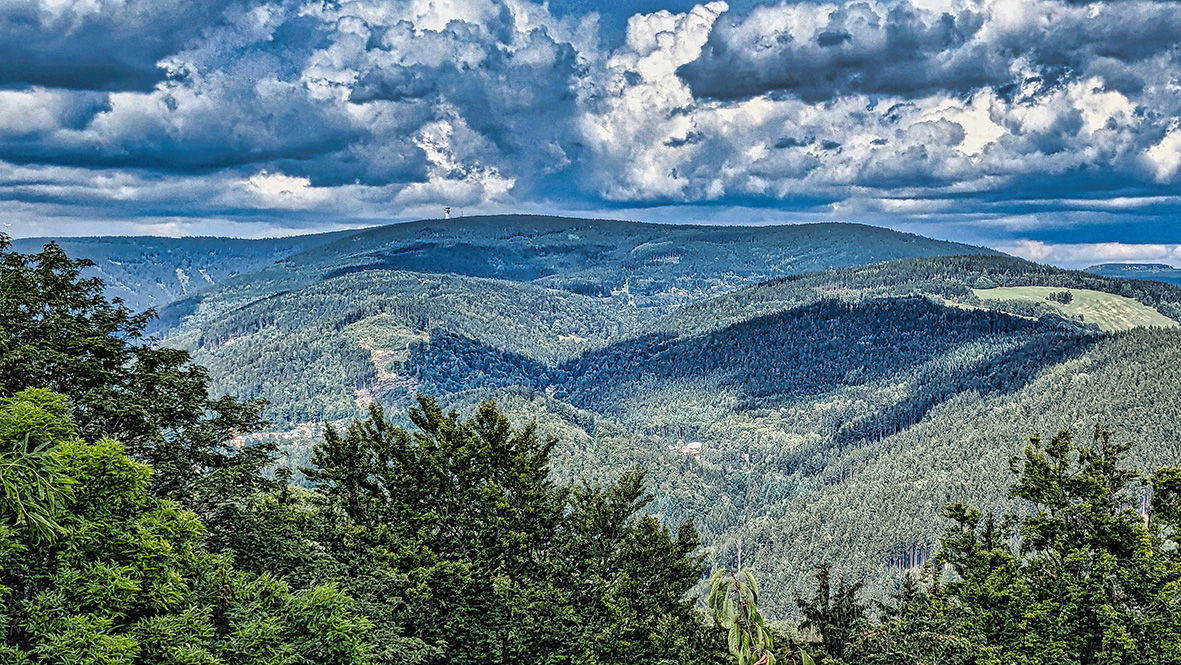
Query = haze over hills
x=152 y=271
x=815 y=367
x=1156 y=271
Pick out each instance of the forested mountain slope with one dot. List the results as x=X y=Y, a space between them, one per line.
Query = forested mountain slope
x=776 y=480
x=323 y=351
x=832 y=413
x=876 y=507
x=949 y=278
x=545 y=289
x=650 y=266
x=906 y=403
x=152 y=271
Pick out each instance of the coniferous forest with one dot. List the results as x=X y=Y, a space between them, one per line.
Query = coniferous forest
x=921 y=460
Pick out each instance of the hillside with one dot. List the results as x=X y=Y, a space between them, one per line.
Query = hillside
x=832 y=412
x=951 y=279
x=799 y=388
x=649 y=266
x=151 y=271
x=876 y=508
x=479 y=287
x=325 y=350
x=875 y=386
x=781 y=480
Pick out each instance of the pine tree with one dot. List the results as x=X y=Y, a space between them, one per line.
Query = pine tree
x=832 y=614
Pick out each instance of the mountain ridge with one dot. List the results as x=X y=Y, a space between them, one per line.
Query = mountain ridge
x=152 y=271
x=1161 y=272
x=657 y=266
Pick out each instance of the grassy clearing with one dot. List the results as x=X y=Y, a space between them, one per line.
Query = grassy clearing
x=383 y=331
x=387 y=339
x=1108 y=311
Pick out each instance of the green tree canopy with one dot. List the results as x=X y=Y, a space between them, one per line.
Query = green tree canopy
x=126 y=580
x=492 y=561
x=1082 y=577
x=59 y=332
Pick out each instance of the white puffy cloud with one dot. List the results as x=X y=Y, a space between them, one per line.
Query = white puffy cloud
x=1166 y=156
x=993 y=114
x=276 y=190
x=1082 y=255
x=640 y=123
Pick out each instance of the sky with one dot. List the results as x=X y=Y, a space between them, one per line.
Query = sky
x=1045 y=128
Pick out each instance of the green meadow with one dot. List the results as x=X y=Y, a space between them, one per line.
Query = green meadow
x=1108 y=311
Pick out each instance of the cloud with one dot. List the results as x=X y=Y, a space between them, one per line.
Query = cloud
x=1165 y=156
x=96 y=44
x=822 y=51
x=508 y=71
x=989 y=116
x=639 y=124
x=1082 y=255
x=337 y=94
x=34 y=111
x=276 y=190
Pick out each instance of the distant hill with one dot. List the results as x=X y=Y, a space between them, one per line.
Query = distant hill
x=151 y=271
x=954 y=279
x=648 y=266
x=1155 y=271
x=657 y=264
x=543 y=288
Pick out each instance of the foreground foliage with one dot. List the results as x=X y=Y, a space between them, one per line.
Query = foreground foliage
x=734 y=602
x=111 y=575
x=495 y=562
x=59 y=332
x=1082 y=577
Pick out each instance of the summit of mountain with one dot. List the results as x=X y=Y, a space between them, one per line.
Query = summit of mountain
x=654 y=267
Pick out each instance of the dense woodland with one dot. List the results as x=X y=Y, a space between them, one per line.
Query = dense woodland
x=804 y=391
x=536 y=531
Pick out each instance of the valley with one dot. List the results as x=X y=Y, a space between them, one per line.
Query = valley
x=844 y=383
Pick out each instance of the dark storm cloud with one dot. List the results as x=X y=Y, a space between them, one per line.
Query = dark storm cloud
x=898 y=49
x=239 y=97
x=231 y=98
x=243 y=128
x=285 y=105
x=97 y=46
